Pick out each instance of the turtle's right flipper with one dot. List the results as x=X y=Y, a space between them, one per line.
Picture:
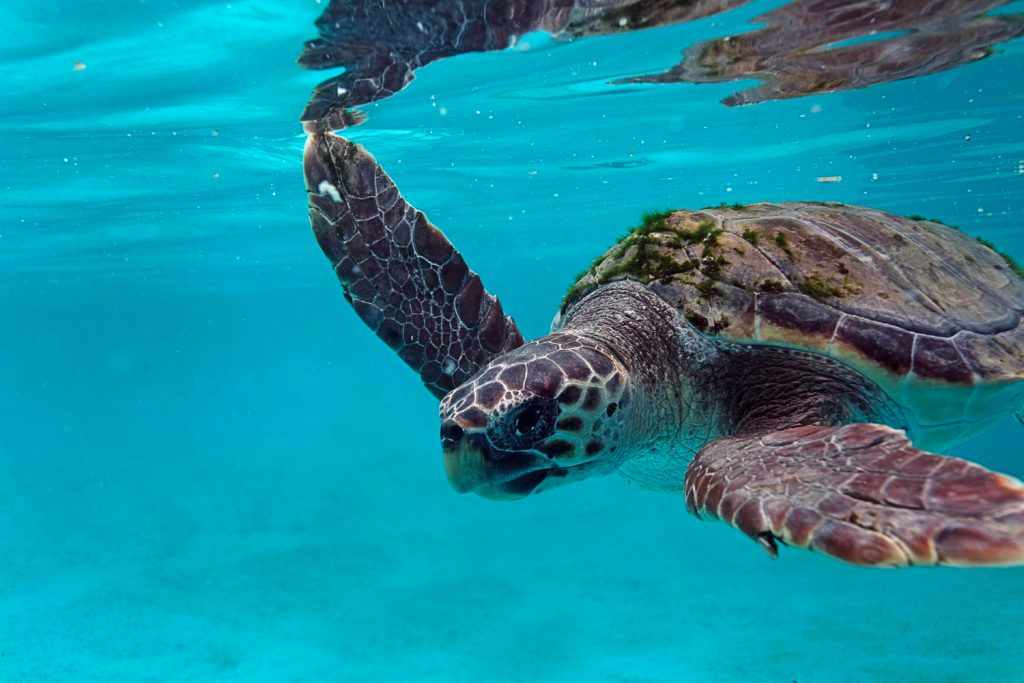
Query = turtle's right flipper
x=860 y=493
x=402 y=276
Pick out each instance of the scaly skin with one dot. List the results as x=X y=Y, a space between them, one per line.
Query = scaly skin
x=862 y=494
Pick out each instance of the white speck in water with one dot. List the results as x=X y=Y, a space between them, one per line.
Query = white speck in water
x=874 y=177
x=830 y=179
x=443 y=111
x=816 y=109
x=326 y=188
x=79 y=66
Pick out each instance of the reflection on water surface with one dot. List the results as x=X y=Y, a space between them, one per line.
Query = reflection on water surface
x=806 y=47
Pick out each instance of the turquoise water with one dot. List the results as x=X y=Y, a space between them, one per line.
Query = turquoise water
x=211 y=471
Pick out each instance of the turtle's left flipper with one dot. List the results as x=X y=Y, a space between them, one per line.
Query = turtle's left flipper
x=861 y=493
x=403 y=277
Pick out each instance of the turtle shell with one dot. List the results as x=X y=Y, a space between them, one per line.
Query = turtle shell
x=905 y=301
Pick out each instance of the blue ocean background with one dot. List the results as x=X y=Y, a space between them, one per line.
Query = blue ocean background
x=211 y=471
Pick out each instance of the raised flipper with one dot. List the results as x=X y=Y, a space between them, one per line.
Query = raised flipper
x=861 y=493
x=402 y=276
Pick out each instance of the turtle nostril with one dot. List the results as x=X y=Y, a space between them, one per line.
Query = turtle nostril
x=451 y=432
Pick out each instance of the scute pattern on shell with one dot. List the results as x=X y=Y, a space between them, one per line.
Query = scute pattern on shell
x=399 y=272
x=886 y=294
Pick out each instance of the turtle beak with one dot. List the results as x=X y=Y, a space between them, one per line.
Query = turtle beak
x=473 y=464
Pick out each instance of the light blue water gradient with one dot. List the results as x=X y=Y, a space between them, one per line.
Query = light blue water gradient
x=211 y=471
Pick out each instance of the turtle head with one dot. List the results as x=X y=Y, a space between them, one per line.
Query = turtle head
x=545 y=414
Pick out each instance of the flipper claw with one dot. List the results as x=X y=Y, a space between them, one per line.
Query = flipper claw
x=767 y=541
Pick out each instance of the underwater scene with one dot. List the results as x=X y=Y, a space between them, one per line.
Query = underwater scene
x=212 y=468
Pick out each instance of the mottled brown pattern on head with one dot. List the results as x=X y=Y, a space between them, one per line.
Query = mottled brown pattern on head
x=556 y=448
x=570 y=424
x=570 y=395
x=488 y=395
x=592 y=399
x=543 y=377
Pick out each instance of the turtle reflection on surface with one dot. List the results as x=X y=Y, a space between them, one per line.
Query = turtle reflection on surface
x=382 y=44
x=807 y=47
x=815 y=46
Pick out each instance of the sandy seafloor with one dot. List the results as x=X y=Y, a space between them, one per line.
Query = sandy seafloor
x=210 y=471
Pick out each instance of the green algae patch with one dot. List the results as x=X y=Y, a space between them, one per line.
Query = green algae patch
x=1010 y=261
x=782 y=242
x=652 y=221
x=819 y=289
x=653 y=250
x=919 y=218
x=816 y=287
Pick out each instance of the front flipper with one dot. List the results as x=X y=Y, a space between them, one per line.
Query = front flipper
x=861 y=493
x=402 y=276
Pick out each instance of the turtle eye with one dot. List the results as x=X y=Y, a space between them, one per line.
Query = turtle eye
x=525 y=425
x=528 y=419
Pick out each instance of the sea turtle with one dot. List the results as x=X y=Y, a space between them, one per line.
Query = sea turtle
x=768 y=361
